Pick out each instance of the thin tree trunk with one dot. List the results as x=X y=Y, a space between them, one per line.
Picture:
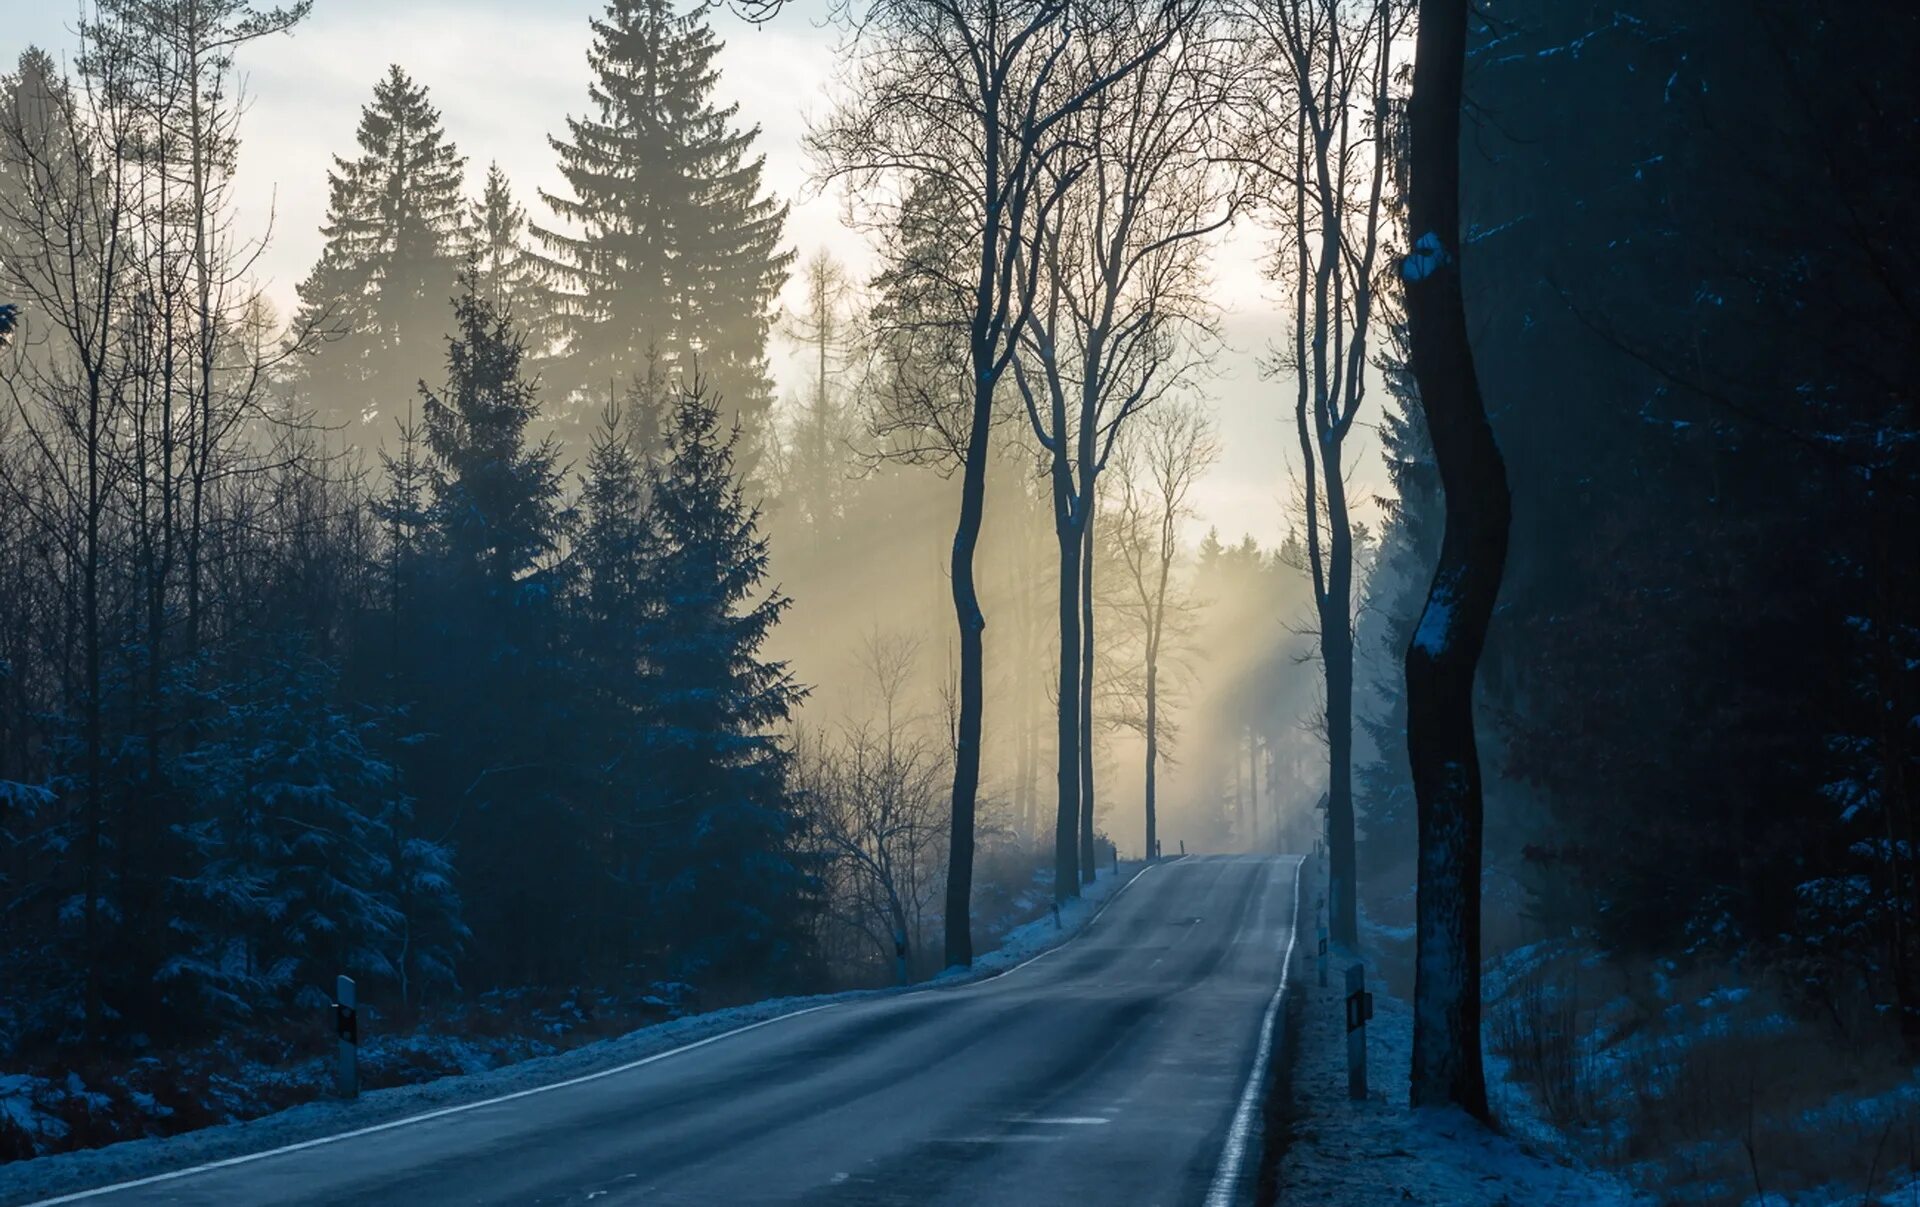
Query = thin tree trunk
x=1253 y=785
x=1088 y=863
x=1445 y=650
x=90 y=603
x=1153 y=755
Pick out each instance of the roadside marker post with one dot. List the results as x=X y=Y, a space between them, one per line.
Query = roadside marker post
x=346 y=1026
x=1320 y=921
x=1359 y=1010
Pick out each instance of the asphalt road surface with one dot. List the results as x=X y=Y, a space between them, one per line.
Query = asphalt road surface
x=1109 y=1071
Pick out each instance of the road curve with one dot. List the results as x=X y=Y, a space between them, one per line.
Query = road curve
x=1108 y=1072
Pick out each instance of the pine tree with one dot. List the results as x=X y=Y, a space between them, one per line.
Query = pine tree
x=726 y=887
x=394 y=230
x=495 y=499
x=614 y=553
x=507 y=272
x=669 y=244
x=501 y=747
x=291 y=877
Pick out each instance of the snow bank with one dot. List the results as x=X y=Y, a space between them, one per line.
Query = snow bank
x=1358 y=1154
x=27 y=1181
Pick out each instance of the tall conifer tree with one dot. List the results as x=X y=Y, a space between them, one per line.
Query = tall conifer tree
x=726 y=886
x=507 y=273
x=394 y=230
x=501 y=713
x=665 y=241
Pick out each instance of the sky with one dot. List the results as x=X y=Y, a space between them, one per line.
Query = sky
x=506 y=75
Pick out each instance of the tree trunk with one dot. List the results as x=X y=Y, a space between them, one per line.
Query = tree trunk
x=1336 y=647
x=1153 y=755
x=1066 y=829
x=1253 y=786
x=90 y=935
x=972 y=624
x=1445 y=650
x=1085 y=688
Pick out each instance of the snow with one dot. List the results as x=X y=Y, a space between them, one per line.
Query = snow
x=26 y=1181
x=1428 y=256
x=1436 y=621
x=1380 y=1152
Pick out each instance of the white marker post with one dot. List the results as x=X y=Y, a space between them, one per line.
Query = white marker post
x=346 y=1025
x=1359 y=1010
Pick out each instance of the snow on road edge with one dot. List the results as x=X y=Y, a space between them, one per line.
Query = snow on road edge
x=1381 y=1152
x=64 y=1173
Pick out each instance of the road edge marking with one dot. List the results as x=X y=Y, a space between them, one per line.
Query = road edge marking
x=1226 y=1179
x=439 y=1113
x=1083 y=929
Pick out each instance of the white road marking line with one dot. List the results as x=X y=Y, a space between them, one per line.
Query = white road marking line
x=1063 y=1120
x=1076 y=934
x=443 y=1112
x=1226 y=1180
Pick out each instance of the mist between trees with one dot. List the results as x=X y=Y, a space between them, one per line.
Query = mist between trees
x=491 y=626
x=486 y=626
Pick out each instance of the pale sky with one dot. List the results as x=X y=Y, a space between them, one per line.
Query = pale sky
x=506 y=74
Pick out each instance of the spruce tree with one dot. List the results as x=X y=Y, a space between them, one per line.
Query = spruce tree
x=665 y=241
x=496 y=707
x=495 y=498
x=379 y=292
x=727 y=889
x=613 y=604
x=507 y=273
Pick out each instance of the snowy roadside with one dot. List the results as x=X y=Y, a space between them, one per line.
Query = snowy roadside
x=64 y=1173
x=1377 y=1152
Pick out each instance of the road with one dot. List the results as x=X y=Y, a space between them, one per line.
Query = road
x=1110 y=1070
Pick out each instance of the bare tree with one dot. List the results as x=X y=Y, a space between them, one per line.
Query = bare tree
x=1157 y=467
x=1445 y=651
x=880 y=811
x=1325 y=100
x=65 y=213
x=960 y=103
x=1119 y=311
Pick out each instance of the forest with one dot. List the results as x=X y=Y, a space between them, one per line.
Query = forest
x=582 y=600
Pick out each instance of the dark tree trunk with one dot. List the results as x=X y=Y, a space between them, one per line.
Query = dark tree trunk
x=1445 y=650
x=972 y=624
x=1066 y=829
x=1336 y=646
x=1153 y=755
x=1087 y=861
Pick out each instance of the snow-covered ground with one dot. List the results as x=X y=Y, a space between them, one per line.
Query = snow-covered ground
x=1343 y=1153
x=28 y=1181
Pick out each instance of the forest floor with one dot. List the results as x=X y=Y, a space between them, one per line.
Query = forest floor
x=1334 y=1150
x=1709 y=1085
x=47 y=1108
x=1704 y=1081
